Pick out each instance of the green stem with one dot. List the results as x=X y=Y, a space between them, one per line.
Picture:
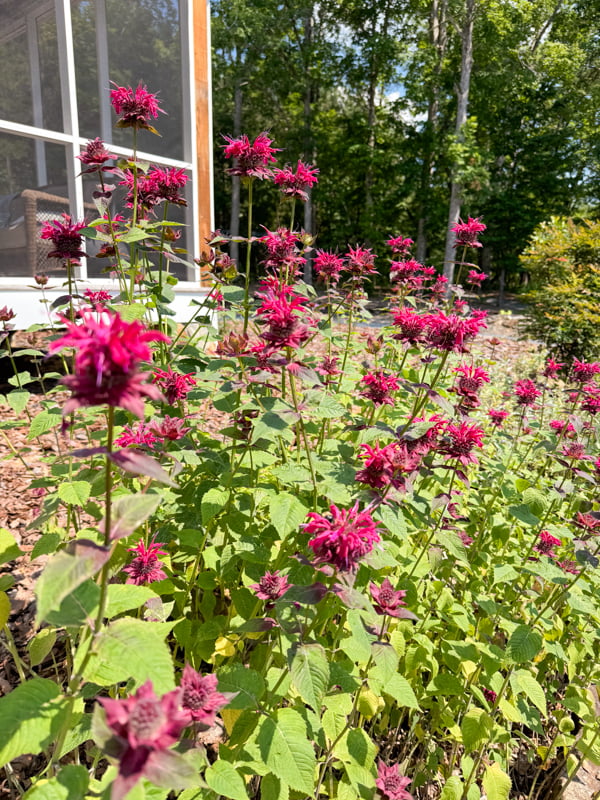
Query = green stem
x=248 y=255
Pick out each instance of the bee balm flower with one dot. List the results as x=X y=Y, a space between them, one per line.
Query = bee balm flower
x=342 y=538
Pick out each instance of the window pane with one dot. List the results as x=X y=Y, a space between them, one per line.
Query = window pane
x=49 y=72
x=83 y=21
x=30 y=86
x=33 y=190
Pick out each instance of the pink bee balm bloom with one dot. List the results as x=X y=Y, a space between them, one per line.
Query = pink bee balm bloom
x=143 y=727
x=361 y=262
x=6 y=314
x=546 y=544
x=412 y=325
x=466 y=232
x=490 y=695
x=590 y=401
x=378 y=386
x=141 y=435
x=561 y=425
x=400 y=246
x=170 y=428
x=552 y=368
x=200 y=700
x=95 y=156
x=136 y=106
x=98 y=298
x=108 y=352
x=66 y=238
x=476 y=278
x=282 y=312
x=575 y=451
x=387 y=600
x=271 y=586
x=461 y=441
x=526 y=392
x=146 y=567
x=471 y=379
x=584 y=371
x=391 y=783
x=451 y=333
x=497 y=416
x=295 y=184
x=328 y=265
x=251 y=160
x=342 y=538
x=174 y=385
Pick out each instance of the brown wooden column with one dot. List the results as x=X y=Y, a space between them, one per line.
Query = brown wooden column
x=202 y=60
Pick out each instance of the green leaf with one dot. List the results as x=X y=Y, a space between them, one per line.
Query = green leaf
x=77 y=608
x=130 y=511
x=523 y=681
x=46 y=544
x=523 y=514
x=273 y=788
x=30 y=718
x=74 y=493
x=400 y=689
x=394 y=521
x=132 y=648
x=536 y=501
x=475 y=728
x=385 y=660
x=496 y=783
x=310 y=673
x=249 y=685
x=286 y=512
x=453 y=789
x=132 y=311
x=523 y=645
x=271 y=426
x=65 y=571
x=356 y=748
x=41 y=645
x=286 y=749
x=17 y=400
x=9 y=549
x=125 y=596
x=328 y=408
x=212 y=503
x=43 y=422
x=225 y=780
x=71 y=783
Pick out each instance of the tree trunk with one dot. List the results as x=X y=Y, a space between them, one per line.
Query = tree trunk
x=234 y=224
x=466 y=67
x=437 y=32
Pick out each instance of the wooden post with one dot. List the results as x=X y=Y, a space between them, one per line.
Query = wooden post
x=202 y=78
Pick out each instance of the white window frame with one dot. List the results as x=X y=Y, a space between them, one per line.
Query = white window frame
x=74 y=143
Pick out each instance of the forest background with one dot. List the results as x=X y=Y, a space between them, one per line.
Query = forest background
x=416 y=111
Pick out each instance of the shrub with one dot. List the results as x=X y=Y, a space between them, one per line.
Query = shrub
x=563 y=261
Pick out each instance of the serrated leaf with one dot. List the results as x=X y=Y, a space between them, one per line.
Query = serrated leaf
x=139 y=463
x=130 y=511
x=400 y=689
x=212 y=503
x=310 y=673
x=475 y=728
x=394 y=521
x=9 y=549
x=30 y=717
x=71 y=783
x=453 y=789
x=125 y=596
x=4 y=609
x=385 y=662
x=17 y=400
x=273 y=788
x=523 y=645
x=43 y=422
x=65 y=571
x=225 y=780
x=41 y=645
x=286 y=512
x=286 y=749
x=132 y=648
x=249 y=685
x=496 y=783
x=46 y=544
x=523 y=681
x=536 y=501
x=74 y=493
x=132 y=311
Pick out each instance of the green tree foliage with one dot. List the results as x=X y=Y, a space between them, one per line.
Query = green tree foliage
x=563 y=260
x=369 y=91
